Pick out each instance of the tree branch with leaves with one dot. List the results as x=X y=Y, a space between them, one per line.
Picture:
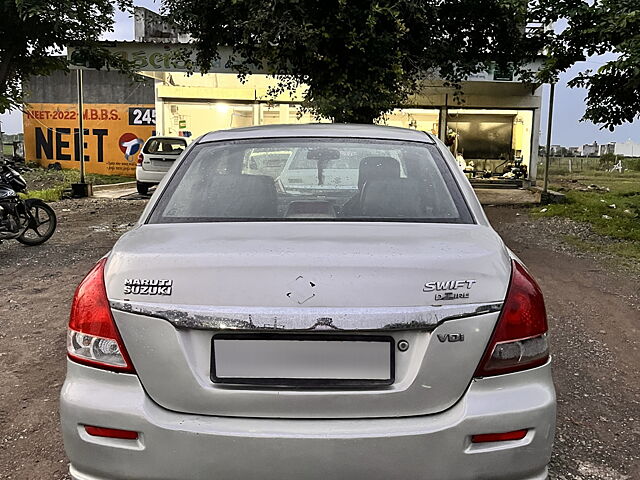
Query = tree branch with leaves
x=358 y=59
x=35 y=34
x=597 y=27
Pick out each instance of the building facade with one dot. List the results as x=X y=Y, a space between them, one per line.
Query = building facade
x=496 y=127
x=118 y=115
x=624 y=149
x=590 y=149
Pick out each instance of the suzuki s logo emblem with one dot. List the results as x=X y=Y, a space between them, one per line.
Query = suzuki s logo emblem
x=450 y=337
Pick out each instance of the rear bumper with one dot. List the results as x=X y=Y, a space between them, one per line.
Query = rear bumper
x=148 y=176
x=174 y=445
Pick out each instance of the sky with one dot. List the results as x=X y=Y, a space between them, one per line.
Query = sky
x=569 y=106
x=569 y=103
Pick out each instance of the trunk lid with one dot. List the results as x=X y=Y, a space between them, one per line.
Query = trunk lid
x=158 y=163
x=391 y=279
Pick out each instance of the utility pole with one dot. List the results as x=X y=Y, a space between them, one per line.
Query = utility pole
x=1 y=143
x=81 y=122
x=81 y=189
x=549 y=125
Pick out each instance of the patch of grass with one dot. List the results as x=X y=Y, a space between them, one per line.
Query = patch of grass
x=98 y=179
x=620 y=224
x=627 y=253
x=50 y=184
x=627 y=182
x=48 y=194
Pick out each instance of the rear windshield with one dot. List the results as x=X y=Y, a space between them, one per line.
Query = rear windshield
x=165 y=146
x=312 y=179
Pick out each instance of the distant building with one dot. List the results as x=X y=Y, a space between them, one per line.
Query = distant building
x=624 y=149
x=556 y=150
x=574 y=151
x=607 y=148
x=627 y=149
x=590 y=149
x=152 y=27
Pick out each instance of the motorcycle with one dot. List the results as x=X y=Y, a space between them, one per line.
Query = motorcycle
x=31 y=221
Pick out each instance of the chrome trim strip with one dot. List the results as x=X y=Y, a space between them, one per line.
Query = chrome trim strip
x=305 y=319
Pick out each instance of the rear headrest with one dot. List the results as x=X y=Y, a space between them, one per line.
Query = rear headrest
x=399 y=198
x=240 y=196
x=377 y=168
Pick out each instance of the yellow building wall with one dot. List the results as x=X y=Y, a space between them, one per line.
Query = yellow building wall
x=199 y=118
x=422 y=119
x=203 y=103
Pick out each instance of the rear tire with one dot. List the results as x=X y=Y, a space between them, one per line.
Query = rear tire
x=143 y=188
x=42 y=215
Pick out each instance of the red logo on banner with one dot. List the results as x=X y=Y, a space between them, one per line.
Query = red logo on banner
x=130 y=145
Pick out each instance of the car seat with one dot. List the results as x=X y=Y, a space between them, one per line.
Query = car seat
x=238 y=196
x=397 y=198
x=371 y=168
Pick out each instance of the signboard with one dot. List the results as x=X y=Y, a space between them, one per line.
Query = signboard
x=503 y=74
x=163 y=57
x=142 y=116
x=113 y=135
x=180 y=57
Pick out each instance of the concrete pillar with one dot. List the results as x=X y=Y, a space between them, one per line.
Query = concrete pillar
x=535 y=142
x=257 y=114
x=159 y=108
x=284 y=113
x=442 y=123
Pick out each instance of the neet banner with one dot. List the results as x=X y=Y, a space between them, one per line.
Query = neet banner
x=113 y=135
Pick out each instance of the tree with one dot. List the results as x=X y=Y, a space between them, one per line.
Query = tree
x=35 y=33
x=596 y=27
x=359 y=58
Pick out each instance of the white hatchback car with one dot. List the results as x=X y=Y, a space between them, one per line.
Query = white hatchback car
x=248 y=327
x=155 y=160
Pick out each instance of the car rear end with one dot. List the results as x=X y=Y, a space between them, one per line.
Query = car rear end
x=156 y=158
x=299 y=335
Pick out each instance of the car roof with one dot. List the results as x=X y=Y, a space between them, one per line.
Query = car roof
x=319 y=130
x=166 y=137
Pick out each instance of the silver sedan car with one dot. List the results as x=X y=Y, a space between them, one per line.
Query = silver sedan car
x=310 y=302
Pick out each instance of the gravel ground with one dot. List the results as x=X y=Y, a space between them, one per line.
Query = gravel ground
x=594 y=314
x=594 y=317
x=551 y=233
x=38 y=284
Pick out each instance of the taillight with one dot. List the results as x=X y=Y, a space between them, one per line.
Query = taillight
x=140 y=159
x=520 y=337
x=93 y=338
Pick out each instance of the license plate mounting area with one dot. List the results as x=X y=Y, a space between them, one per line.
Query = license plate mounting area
x=303 y=360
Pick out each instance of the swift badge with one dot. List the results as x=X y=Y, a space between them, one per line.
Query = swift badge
x=451 y=289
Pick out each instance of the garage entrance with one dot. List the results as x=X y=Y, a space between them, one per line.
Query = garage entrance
x=492 y=145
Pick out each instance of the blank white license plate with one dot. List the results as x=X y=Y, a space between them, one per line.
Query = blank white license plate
x=161 y=162
x=302 y=360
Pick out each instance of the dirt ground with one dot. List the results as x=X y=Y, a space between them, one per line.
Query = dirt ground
x=594 y=318
x=594 y=313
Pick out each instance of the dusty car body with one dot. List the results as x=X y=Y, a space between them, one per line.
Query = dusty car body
x=376 y=327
